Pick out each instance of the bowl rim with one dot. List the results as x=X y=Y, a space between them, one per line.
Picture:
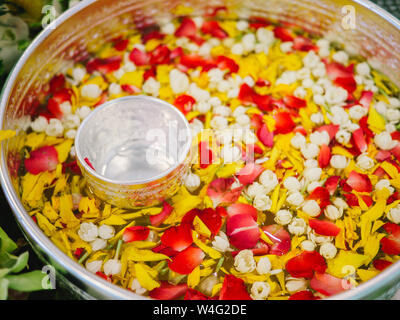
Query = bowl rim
x=96 y=284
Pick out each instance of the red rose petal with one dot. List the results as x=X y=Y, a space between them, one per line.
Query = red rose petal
x=359 y=182
x=280 y=237
x=135 y=233
x=220 y=191
x=213 y=28
x=283 y=123
x=186 y=29
x=168 y=291
x=242 y=208
x=303 y=295
x=158 y=219
x=187 y=260
x=324 y=156
x=233 y=289
x=324 y=228
x=138 y=57
x=242 y=231
x=178 y=238
x=43 y=159
x=249 y=173
x=328 y=285
x=305 y=264
x=391 y=243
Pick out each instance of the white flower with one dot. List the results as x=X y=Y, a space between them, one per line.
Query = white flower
x=151 y=86
x=384 y=183
x=83 y=112
x=244 y=261
x=137 y=288
x=319 y=71
x=106 y=232
x=296 y=284
x=88 y=231
x=192 y=182
x=286 y=46
x=196 y=126
x=300 y=92
x=98 y=244
x=328 y=250
x=70 y=134
x=311 y=207
x=178 y=80
x=114 y=89
x=55 y=128
x=39 y=124
x=311 y=60
x=203 y=106
x=260 y=290
x=307 y=83
x=237 y=49
x=221 y=242
x=298 y=141
x=363 y=69
x=384 y=141
x=318 y=239
x=320 y=138
x=343 y=136
x=295 y=199
x=219 y=122
x=340 y=203
x=262 y=202
x=335 y=95
x=287 y=77
x=323 y=43
x=319 y=99
x=317 y=118
x=332 y=212
x=393 y=115
x=242 y=25
x=394 y=102
x=283 y=217
x=364 y=162
x=357 y=112
x=248 y=42
x=168 y=28
x=243 y=120
x=339 y=162
x=66 y=107
x=239 y=111
x=312 y=174
x=312 y=185
x=265 y=36
x=297 y=226
x=381 y=107
x=222 y=111
x=341 y=57
x=269 y=180
x=112 y=267
x=310 y=151
x=78 y=74
x=292 y=184
x=71 y=121
x=308 y=245
x=263 y=266
x=394 y=214
x=255 y=189
x=389 y=127
x=311 y=163
x=338 y=115
x=91 y=91
x=94 y=266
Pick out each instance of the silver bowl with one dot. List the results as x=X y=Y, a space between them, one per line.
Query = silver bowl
x=91 y=23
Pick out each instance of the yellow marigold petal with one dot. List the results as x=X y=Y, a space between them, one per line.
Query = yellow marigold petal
x=338 y=266
x=375 y=121
x=114 y=220
x=63 y=150
x=145 y=280
x=208 y=250
x=45 y=225
x=134 y=78
x=138 y=255
x=365 y=275
x=49 y=212
x=201 y=228
x=194 y=278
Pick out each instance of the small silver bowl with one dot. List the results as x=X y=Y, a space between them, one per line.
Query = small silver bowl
x=134 y=151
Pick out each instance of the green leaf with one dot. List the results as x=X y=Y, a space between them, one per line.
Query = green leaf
x=4 y=272
x=26 y=282
x=20 y=263
x=23 y=44
x=6 y=244
x=3 y=289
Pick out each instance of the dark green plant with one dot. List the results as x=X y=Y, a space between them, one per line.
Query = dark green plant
x=11 y=267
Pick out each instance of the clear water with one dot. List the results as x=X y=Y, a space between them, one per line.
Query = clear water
x=138 y=160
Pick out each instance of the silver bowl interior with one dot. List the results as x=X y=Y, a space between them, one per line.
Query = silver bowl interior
x=91 y=23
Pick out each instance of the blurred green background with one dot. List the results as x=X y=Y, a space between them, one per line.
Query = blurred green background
x=20 y=22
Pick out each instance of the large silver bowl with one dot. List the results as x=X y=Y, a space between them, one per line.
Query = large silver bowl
x=376 y=36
